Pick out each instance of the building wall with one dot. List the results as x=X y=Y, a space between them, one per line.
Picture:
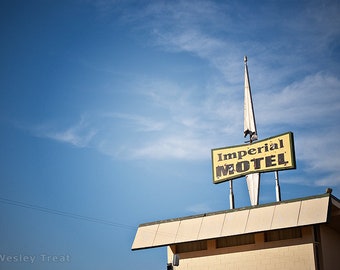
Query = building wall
x=285 y=258
x=297 y=253
x=330 y=246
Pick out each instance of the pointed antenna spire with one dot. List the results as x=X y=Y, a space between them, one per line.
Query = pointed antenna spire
x=249 y=117
x=253 y=180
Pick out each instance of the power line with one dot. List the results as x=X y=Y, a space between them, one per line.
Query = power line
x=80 y=217
x=65 y=214
x=72 y=215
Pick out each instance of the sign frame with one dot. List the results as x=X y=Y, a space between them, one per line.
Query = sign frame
x=251 y=158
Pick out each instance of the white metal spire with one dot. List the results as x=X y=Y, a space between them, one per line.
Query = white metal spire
x=253 y=180
x=249 y=117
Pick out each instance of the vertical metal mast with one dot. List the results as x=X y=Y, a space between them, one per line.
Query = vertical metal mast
x=253 y=180
x=277 y=187
x=231 y=195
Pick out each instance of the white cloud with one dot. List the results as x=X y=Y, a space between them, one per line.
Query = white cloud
x=173 y=147
x=310 y=108
x=79 y=135
x=319 y=154
x=140 y=123
x=222 y=33
x=315 y=99
x=175 y=123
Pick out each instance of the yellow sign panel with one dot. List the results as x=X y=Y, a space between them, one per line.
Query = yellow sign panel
x=272 y=154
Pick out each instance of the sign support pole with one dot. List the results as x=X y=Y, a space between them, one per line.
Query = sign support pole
x=231 y=195
x=277 y=187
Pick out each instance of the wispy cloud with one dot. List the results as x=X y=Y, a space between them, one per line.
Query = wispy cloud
x=138 y=122
x=174 y=122
x=79 y=135
x=184 y=128
x=310 y=109
x=222 y=33
x=176 y=146
x=315 y=99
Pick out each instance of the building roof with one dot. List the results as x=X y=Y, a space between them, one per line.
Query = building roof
x=278 y=215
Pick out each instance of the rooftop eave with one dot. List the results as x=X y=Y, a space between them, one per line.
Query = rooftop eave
x=284 y=214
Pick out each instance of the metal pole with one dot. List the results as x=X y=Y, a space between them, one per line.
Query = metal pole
x=277 y=187
x=231 y=195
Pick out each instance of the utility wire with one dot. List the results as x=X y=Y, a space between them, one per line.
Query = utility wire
x=65 y=214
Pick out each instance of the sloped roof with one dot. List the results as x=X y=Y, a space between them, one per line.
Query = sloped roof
x=284 y=214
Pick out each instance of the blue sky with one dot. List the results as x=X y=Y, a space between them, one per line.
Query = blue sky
x=109 y=111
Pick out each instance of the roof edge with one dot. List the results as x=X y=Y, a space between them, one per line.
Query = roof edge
x=240 y=209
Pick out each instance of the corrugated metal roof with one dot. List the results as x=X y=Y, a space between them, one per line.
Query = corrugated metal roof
x=285 y=214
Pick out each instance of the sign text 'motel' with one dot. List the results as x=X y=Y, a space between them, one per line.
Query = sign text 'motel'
x=272 y=154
